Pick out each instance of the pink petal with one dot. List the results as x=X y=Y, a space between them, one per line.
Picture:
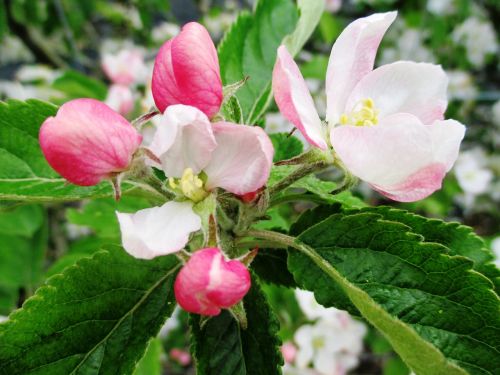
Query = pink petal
x=242 y=161
x=187 y=72
x=156 y=231
x=87 y=141
x=183 y=139
x=208 y=283
x=294 y=100
x=404 y=86
x=352 y=57
x=401 y=158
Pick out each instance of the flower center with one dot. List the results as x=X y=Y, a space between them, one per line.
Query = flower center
x=318 y=342
x=190 y=185
x=363 y=114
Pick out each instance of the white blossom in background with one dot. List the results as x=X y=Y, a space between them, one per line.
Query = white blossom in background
x=75 y=231
x=3 y=318
x=171 y=323
x=461 y=85
x=495 y=246
x=409 y=45
x=218 y=24
x=164 y=31
x=479 y=39
x=441 y=7
x=332 y=346
x=20 y=91
x=120 y=98
x=37 y=72
x=333 y=343
x=472 y=174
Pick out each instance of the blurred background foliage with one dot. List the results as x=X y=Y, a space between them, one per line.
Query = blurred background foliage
x=54 y=50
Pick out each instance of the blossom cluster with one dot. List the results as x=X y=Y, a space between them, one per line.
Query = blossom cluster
x=384 y=126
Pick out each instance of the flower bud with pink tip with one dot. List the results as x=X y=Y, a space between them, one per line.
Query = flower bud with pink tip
x=208 y=283
x=186 y=71
x=87 y=142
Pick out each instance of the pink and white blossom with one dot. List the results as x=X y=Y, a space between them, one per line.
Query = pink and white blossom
x=208 y=282
x=156 y=231
x=186 y=71
x=120 y=98
x=237 y=158
x=386 y=125
x=87 y=142
x=126 y=67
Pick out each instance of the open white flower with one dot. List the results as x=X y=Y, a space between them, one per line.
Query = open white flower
x=385 y=125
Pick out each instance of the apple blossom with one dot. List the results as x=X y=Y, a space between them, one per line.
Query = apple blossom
x=186 y=71
x=208 y=282
x=126 y=67
x=385 y=125
x=199 y=156
x=120 y=98
x=87 y=142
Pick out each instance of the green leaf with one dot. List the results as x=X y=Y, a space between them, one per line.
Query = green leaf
x=439 y=315
x=249 y=48
x=95 y=317
x=21 y=221
x=285 y=146
x=319 y=188
x=221 y=347
x=459 y=239
x=150 y=364
x=100 y=214
x=24 y=173
x=232 y=111
x=77 y=85
x=22 y=255
x=271 y=266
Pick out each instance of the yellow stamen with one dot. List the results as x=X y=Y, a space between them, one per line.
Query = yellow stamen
x=190 y=185
x=367 y=115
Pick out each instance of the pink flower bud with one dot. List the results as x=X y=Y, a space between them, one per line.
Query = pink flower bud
x=181 y=356
x=186 y=71
x=208 y=283
x=87 y=141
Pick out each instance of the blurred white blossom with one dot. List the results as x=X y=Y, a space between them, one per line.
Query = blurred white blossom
x=3 y=318
x=461 y=85
x=37 y=72
x=409 y=45
x=441 y=7
x=333 y=6
x=333 y=343
x=165 y=31
x=13 y=50
x=479 y=39
x=472 y=174
x=120 y=98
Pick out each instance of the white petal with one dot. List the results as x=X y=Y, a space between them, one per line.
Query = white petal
x=183 y=139
x=158 y=231
x=404 y=86
x=352 y=56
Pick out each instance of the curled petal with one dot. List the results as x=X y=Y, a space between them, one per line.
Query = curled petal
x=208 y=283
x=186 y=71
x=87 y=141
x=401 y=158
x=156 y=231
x=404 y=86
x=242 y=161
x=352 y=57
x=183 y=139
x=294 y=99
